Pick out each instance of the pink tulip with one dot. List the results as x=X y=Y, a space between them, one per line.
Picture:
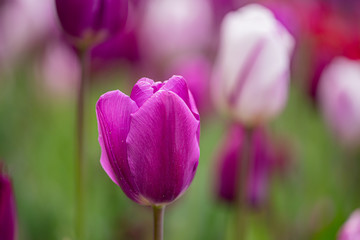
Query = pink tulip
x=351 y=229
x=251 y=76
x=340 y=99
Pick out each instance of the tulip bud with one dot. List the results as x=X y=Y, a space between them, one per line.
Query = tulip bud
x=150 y=140
x=340 y=100
x=7 y=209
x=259 y=168
x=351 y=229
x=251 y=75
x=91 y=21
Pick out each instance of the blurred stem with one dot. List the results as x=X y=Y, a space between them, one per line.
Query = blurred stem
x=243 y=170
x=80 y=125
x=159 y=222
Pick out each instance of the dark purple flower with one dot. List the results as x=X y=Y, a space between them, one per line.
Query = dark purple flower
x=92 y=20
x=123 y=46
x=7 y=209
x=259 y=167
x=150 y=140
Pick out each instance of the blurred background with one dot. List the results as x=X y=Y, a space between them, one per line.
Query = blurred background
x=311 y=189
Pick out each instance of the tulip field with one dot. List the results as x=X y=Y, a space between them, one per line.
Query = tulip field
x=179 y=119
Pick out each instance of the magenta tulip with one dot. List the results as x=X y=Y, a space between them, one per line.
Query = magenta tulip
x=351 y=229
x=150 y=139
x=7 y=209
x=259 y=168
x=92 y=20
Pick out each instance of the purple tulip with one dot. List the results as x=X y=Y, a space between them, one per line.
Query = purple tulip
x=259 y=169
x=150 y=140
x=123 y=46
x=340 y=100
x=251 y=75
x=92 y=20
x=351 y=229
x=7 y=209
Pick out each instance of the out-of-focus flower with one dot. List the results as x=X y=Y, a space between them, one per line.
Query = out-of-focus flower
x=259 y=168
x=122 y=47
x=59 y=70
x=340 y=99
x=196 y=69
x=351 y=229
x=329 y=33
x=173 y=27
x=24 y=25
x=91 y=21
x=150 y=140
x=8 y=222
x=251 y=75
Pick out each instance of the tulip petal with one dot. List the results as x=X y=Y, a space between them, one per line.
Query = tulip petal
x=76 y=16
x=142 y=91
x=111 y=15
x=113 y=111
x=163 y=149
x=178 y=85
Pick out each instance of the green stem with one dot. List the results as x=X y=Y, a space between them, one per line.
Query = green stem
x=243 y=170
x=80 y=125
x=159 y=222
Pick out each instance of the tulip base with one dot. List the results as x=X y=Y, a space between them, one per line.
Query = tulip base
x=159 y=222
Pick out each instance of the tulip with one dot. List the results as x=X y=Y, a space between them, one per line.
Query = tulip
x=228 y=166
x=150 y=140
x=340 y=100
x=7 y=209
x=351 y=229
x=91 y=21
x=251 y=74
x=331 y=33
